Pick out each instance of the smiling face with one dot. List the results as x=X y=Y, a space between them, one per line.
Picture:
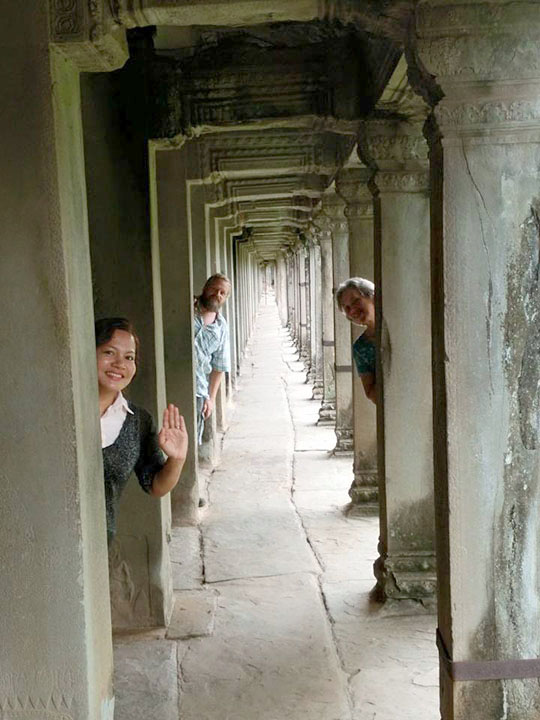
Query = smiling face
x=215 y=294
x=116 y=362
x=359 y=309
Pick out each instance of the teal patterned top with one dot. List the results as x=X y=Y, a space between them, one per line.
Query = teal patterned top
x=364 y=355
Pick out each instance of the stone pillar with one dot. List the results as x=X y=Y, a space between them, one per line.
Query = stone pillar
x=352 y=186
x=333 y=207
x=121 y=252
x=406 y=566
x=309 y=307
x=302 y=302
x=202 y=199
x=231 y=305
x=291 y=314
x=281 y=288
x=327 y=412
x=315 y=284
x=173 y=275
x=485 y=150
x=55 y=631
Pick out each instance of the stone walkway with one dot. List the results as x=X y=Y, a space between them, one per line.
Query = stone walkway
x=273 y=619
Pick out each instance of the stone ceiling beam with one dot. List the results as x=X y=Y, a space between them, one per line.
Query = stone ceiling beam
x=392 y=21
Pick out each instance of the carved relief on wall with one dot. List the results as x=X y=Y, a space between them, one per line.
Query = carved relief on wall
x=67 y=19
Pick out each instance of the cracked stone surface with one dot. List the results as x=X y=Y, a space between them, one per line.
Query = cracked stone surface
x=296 y=634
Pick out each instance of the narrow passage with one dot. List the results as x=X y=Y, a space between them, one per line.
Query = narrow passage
x=272 y=618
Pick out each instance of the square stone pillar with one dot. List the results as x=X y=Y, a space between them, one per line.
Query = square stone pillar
x=291 y=293
x=55 y=625
x=281 y=288
x=302 y=286
x=485 y=150
x=327 y=412
x=333 y=208
x=316 y=313
x=352 y=186
x=120 y=243
x=173 y=275
x=406 y=566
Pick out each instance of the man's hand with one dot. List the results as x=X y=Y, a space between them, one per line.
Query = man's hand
x=208 y=406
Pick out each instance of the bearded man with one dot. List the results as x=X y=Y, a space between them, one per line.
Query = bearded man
x=212 y=352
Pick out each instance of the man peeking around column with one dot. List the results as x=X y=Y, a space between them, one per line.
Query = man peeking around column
x=356 y=300
x=212 y=352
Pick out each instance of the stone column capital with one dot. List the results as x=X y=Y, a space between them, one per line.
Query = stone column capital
x=89 y=33
x=352 y=185
x=484 y=58
x=333 y=208
x=398 y=151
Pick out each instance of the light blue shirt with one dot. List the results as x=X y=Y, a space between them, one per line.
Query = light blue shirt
x=212 y=350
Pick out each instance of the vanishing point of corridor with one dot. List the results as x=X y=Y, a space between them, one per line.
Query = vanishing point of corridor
x=273 y=618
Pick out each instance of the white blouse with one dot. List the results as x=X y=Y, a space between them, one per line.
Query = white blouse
x=113 y=419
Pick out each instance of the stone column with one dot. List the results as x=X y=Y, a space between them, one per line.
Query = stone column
x=302 y=301
x=121 y=251
x=406 y=566
x=315 y=284
x=327 y=412
x=485 y=149
x=281 y=288
x=55 y=632
x=333 y=207
x=309 y=307
x=232 y=304
x=173 y=278
x=290 y=293
x=352 y=186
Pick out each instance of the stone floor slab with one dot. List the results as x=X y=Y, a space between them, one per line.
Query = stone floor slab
x=193 y=614
x=186 y=559
x=253 y=540
x=146 y=678
x=271 y=657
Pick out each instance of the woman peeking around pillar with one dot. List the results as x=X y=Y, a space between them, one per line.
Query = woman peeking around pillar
x=128 y=435
x=356 y=299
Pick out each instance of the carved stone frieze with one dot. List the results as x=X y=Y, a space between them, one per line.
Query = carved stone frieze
x=403 y=182
x=479 y=41
x=493 y=113
x=399 y=147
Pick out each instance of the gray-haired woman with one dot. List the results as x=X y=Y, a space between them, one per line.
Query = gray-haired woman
x=356 y=299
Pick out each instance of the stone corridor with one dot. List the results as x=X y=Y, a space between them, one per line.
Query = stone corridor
x=273 y=618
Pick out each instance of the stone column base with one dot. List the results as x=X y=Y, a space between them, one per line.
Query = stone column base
x=345 y=442
x=318 y=389
x=410 y=576
x=365 y=489
x=327 y=414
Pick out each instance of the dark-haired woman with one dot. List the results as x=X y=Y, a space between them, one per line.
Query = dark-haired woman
x=128 y=434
